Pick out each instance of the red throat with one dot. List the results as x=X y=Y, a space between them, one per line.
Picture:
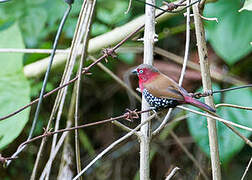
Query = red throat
x=146 y=77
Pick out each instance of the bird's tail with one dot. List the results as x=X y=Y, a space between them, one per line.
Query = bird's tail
x=201 y=105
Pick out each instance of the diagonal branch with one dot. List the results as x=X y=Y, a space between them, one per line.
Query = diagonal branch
x=227 y=123
x=111 y=146
x=196 y=163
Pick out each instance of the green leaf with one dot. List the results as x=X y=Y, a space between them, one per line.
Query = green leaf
x=229 y=143
x=128 y=58
x=14 y=88
x=113 y=13
x=33 y=24
x=11 y=38
x=247 y=6
x=35 y=2
x=98 y=28
x=36 y=18
x=231 y=37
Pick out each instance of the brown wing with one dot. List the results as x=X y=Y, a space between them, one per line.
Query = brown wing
x=164 y=87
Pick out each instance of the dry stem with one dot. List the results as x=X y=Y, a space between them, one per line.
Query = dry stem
x=207 y=85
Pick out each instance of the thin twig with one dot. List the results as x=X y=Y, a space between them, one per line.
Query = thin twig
x=163 y=124
x=32 y=51
x=211 y=92
x=209 y=19
x=227 y=123
x=187 y=45
x=173 y=172
x=111 y=146
x=129 y=6
x=216 y=118
x=95 y=44
x=232 y=88
x=122 y=126
x=247 y=168
x=49 y=133
x=170 y=6
x=67 y=157
x=196 y=163
x=87 y=17
x=233 y=106
x=117 y=79
x=52 y=157
x=215 y=75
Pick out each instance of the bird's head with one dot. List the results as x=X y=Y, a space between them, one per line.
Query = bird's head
x=145 y=73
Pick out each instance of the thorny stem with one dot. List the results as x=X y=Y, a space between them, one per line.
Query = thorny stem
x=171 y=6
x=129 y=116
x=111 y=146
x=210 y=92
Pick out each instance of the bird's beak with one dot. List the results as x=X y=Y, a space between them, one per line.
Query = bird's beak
x=134 y=71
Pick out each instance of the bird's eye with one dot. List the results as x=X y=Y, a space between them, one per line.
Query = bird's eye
x=140 y=71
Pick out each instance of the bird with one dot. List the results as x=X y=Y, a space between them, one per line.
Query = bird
x=162 y=92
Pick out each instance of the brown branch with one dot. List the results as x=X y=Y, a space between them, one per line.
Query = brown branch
x=129 y=116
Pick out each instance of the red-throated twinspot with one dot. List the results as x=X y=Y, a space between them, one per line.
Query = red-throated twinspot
x=161 y=92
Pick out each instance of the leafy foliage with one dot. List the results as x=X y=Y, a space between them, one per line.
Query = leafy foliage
x=14 y=88
x=230 y=37
x=229 y=143
x=113 y=12
x=36 y=19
